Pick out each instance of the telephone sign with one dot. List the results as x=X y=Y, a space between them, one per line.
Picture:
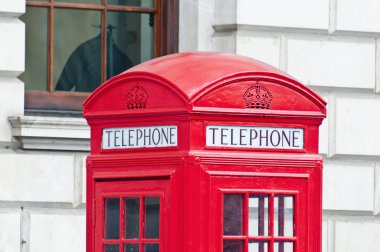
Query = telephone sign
x=139 y=137
x=254 y=137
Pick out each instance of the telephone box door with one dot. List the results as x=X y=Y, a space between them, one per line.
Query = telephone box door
x=132 y=216
x=261 y=214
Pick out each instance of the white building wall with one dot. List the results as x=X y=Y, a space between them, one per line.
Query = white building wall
x=41 y=203
x=332 y=46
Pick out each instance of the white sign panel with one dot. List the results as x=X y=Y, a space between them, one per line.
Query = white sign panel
x=140 y=137
x=254 y=137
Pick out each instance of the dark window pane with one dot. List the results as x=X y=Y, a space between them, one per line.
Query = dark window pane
x=151 y=248
x=131 y=247
x=233 y=214
x=112 y=218
x=137 y=3
x=232 y=246
x=79 y=1
x=36 y=49
x=152 y=217
x=111 y=248
x=283 y=247
x=129 y=41
x=283 y=215
x=132 y=217
x=258 y=215
x=258 y=247
x=77 y=50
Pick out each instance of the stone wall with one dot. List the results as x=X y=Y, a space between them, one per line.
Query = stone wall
x=42 y=207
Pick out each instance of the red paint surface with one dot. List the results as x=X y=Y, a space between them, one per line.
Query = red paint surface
x=193 y=90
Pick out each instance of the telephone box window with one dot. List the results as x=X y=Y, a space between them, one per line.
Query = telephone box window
x=258 y=247
x=283 y=216
x=112 y=213
x=152 y=220
x=111 y=248
x=233 y=246
x=151 y=248
x=256 y=222
x=258 y=215
x=139 y=222
x=233 y=214
x=283 y=247
x=131 y=248
x=132 y=217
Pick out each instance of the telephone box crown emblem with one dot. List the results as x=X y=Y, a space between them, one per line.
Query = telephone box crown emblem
x=257 y=97
x=137 y=98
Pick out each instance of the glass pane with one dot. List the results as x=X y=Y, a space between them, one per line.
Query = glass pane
x=80 y=1
x=36 y=49
x=131 y=247
x=111 y=248
x=233 y=246
x=233 y=214
x=77 y=50
x=152 y=217
x=137 y=3
x=130 y=41
x=258 y=247
x=112 y=218
x=283 y=215
x=258 y=215
x=151 y=248
x=283 y=247
x=132 y=217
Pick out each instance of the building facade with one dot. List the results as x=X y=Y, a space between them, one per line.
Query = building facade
x=330 y=45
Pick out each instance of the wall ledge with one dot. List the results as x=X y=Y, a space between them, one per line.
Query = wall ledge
x=51 y=133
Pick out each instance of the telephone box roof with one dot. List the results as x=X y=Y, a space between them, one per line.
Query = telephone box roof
x=207 y=79
x=192 y=72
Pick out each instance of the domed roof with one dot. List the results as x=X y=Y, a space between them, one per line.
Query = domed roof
x=194 y=71
x=194 y=80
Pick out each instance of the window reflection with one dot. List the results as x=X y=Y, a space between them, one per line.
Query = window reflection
x=111 y=248
x=131 y=248
x=78 y=60
x=233 y=214
x=112 y=218
x=35 y=75
x=283 y=215
x=258 y=247
x=77 y=50
x=151 y=248
x=137 y=3
x=152 y=217
x=233 y=246
x=283 y=247
x=132 y=217
x=258 y=215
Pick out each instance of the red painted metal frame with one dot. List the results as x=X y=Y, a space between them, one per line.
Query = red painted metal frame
x=193 y=90
x=271 y=237
x=132 y=188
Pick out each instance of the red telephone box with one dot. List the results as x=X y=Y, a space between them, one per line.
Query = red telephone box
x=203 y=152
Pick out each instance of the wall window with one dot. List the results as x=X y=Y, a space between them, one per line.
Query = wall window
x=72 y=46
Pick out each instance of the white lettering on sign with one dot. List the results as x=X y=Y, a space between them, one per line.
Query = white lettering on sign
x=139 y=137
x=254 y=137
